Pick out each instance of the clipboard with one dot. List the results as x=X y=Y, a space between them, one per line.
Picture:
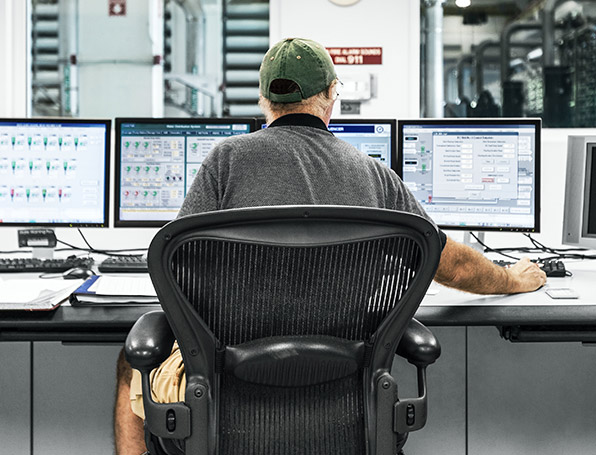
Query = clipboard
x=34 y=294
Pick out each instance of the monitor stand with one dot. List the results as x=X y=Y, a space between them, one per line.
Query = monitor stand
x=41 y=241
x=42 y=253
x=472 y=242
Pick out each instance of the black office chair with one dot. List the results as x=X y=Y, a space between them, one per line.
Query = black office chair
x=288 y=319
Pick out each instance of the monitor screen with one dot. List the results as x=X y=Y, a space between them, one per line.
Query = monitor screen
x=156 y=161
x=375 y=137
x=474 y=174
x=54 y=172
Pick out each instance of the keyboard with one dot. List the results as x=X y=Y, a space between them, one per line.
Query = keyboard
x=552 y=268
x=11 y=265
x=124 y=264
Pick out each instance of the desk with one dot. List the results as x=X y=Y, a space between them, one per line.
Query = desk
x=445 y=308
x=530 y=389
x=82 y=324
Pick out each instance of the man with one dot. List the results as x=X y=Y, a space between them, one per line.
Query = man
x=296 y=160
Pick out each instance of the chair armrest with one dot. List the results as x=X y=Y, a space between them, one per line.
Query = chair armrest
x=418 y=345
x=149 y=342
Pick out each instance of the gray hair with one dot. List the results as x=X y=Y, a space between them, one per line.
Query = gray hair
x=316 y=105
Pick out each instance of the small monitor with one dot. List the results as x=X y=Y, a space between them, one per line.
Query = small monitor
x=375 y=137
x=474 y=174
x=579 y=220
x=157 y=160
x=54 y=172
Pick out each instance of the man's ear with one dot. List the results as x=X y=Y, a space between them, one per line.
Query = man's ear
x=331 y=91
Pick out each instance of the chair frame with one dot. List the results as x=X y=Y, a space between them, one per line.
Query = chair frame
x=387 y=418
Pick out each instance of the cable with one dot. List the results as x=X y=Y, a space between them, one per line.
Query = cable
x=106 y=252
x=491 y=250
x=561 y=253
x=537 y=248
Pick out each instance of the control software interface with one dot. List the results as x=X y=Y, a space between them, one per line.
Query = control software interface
x=481 y=174
x=376 y=138
x=54 y=172
x=157 y=160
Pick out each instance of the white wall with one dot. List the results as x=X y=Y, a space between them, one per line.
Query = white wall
x=393 y=25
x=117 y=76
x=13 y=55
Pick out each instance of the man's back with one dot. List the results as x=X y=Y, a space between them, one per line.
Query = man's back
x=296 y=162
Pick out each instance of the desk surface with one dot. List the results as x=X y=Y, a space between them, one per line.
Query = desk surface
x=107 y=323
x=451 y=307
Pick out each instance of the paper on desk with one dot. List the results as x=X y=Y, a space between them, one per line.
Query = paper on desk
x=124 y=286
x=34 y=294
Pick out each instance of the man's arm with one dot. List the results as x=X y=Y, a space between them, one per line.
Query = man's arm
x=466 y=269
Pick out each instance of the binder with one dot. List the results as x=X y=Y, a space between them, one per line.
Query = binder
x=108 y=290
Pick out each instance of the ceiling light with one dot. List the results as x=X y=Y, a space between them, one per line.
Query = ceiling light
x=463 y=3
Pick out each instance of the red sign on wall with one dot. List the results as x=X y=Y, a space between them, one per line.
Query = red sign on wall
x=356 y=55
x=117 y=7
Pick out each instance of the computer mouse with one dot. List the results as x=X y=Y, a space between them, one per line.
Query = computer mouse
x=77 y=273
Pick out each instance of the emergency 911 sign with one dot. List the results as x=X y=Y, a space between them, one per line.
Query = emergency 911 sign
x=356 y=55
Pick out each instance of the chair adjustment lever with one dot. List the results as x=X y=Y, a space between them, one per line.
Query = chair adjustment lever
x=409 y=415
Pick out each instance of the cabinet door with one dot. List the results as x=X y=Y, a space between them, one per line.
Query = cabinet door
x=445 y=430
x=73 y=398
x=15 y=402
x=530 y=398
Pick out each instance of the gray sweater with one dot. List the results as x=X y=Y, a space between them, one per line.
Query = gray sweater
x=293 y=162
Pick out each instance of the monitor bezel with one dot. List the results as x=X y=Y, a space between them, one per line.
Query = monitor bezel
x=580 y=154
x=536 y=122
x=393 y=153
x=251 y=121
x=107 y=123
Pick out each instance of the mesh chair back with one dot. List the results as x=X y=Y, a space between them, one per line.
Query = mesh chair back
x=234 y=277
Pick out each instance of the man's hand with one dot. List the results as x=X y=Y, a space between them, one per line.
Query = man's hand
x=527 y=275
x=465 y=269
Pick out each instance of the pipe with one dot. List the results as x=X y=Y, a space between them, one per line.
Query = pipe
x=465 y=59
x=67 y=57
x=434 y=58
x=548 y=31
x=506 y=34
x=479 y=57
x=195 y=43
x=423 y=69
x=479 y=62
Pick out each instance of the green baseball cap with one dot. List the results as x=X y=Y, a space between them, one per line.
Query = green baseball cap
x=302 y=61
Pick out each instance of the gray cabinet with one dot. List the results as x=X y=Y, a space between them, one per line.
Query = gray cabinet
x=15 y=401
x=530 y=398
x=486 y=396
x=73 y=396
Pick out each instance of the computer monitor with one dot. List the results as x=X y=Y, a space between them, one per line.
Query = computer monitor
x=375 y=137
x=54 y=172
x=579 y=220
x=156 y=161
x=474 y=174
